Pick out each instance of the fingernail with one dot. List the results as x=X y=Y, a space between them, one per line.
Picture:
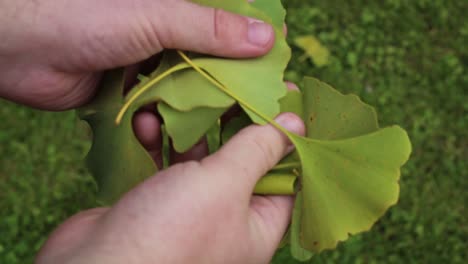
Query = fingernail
x=259 y=33
x=291 y=122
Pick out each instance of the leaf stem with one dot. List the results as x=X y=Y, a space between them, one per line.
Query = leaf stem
x=143 y=89
x=277 y=184
x=289 y=165
x=231 y=94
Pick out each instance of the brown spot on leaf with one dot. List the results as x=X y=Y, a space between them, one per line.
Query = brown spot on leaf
x=312 y=117
x=344 y=117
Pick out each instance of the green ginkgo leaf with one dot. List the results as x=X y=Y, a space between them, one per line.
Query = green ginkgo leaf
x=250 y=78
x=297 y=251
x=233 y=126
x=350 y=168
x=187 y=128
x=182 y=90
x=348 y=184
x=116 y=159
x=292 y=103
x=273 y=9
x=330 y=115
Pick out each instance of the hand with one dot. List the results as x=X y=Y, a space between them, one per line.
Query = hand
x=52 y=51
x=193 y=212
x=51 y=58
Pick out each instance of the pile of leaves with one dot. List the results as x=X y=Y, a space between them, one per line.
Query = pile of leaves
x=345 y=171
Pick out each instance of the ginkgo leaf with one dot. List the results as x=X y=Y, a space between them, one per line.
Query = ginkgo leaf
x=233 y=126
x=292 y=103
x=189 y=101
x=274 y=11
x=297 y=251
x=350 y=169
x=183 y=90
x=318 y=53
x=250 y=78
x=341 y=172
x=330 y=115
x=213 y=137
x=187 y=128
x=348 y=184
x=116 y=159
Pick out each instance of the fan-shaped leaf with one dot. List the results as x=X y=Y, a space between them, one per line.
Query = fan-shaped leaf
x=297 y=251
x=349 y=180
x=183 y=90
x=331 y=115
x=187 y=128
x=116 y=159
x=258 y=81
x=348 y=184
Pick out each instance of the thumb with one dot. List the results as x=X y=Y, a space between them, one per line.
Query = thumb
x=243 y=161
x=119 y=33
x=250 y=154
x=188 y=26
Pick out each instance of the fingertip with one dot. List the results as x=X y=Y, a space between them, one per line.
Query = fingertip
x=240 y=36
x=260 y=34
x=224 y=33
x=292 y=86
x=291 y=122
x=147 y=129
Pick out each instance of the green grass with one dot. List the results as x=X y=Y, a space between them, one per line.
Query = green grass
x=407 y=58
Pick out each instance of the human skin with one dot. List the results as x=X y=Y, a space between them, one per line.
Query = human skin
x=52 y=55
x=193 y=212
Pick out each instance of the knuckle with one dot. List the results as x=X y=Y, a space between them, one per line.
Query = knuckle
x=263 y=146
x=219 y=22
x=187 y=168
x=57 y=91
x=227 y=25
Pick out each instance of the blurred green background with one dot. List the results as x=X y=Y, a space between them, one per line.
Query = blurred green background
x=407 y=58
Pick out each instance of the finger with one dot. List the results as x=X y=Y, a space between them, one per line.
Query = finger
x=224 y=33
x=269 y=218
x=197 y=152
x=292 y=86
x=271 y=215
x=147 y=129
x=70 y=234
x=127 y=32
x=250 y=154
